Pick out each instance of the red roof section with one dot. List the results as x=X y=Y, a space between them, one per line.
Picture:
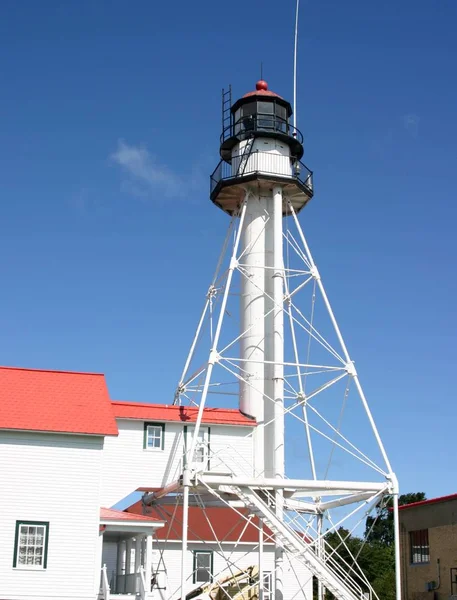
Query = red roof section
x=227 y=523
x=431 y=501
x=110 y=514
x=55 y=401
x=262 y=90
x=183 y=414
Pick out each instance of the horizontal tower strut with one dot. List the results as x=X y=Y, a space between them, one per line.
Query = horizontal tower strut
x=310 y=485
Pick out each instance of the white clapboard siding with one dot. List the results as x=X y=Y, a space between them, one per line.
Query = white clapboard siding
x=55 y=478
x=231 y=449
x=128 y=466
x=297 y=579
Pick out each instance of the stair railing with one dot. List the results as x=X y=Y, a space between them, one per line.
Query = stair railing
x=106 y=590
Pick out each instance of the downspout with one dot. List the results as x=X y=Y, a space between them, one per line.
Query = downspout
x=438 y=570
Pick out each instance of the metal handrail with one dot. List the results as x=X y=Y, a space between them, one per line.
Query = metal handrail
x=343 y=568
x=252 y=123
x=224 y=171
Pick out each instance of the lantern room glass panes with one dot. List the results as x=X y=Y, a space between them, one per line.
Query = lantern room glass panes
x=31 y=543
x=248 y=116
x=265 y=116
x=249 y=109
x=265 y=108
x=281 y=118
x=260 y=115
x=237 y=121
x=281 y=112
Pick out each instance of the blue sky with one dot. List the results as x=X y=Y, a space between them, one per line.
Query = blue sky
x=110 y=128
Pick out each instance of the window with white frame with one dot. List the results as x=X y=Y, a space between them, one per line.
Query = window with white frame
x=267 y=585
x=154 y=436
x=201 y=459
x=31 y=545
x=203 y=566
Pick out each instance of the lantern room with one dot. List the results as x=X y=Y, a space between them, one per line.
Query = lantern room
x=260 y=113
x=259 y=147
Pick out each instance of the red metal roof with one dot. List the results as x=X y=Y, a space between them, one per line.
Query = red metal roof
x=55 y=401
x=185 y=414
x=110 y=514
x=431 y=501
x=226 y=524
x=262 y=90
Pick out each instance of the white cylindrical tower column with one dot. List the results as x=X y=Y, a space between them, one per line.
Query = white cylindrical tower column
x=252 y=342
x=268 y=405
x=278 y=333
x=277 y=442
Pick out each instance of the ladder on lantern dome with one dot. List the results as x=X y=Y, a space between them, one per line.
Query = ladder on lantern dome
x=333 y=575
x=226 y=110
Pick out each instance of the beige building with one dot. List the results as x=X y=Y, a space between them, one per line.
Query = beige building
x=428 y=532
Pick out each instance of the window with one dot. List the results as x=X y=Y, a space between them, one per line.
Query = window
x=203 y=566
x=420 y=549
x=201 y=459
x=249 y=109
x=154 y=436
x=31 y=545
x=281 y=112
x=267 y=585
x=265 y=108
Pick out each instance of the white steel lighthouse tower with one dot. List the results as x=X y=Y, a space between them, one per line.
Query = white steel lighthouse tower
x=268 y=342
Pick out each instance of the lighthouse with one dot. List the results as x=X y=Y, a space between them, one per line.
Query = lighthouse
x=283 y=364
x=260 y=164
x=260 y=152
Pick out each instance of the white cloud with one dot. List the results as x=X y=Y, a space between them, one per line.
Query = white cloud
x=145 y=175
x=411 y=124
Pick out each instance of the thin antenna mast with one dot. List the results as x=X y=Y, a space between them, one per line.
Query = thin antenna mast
x=295 y=63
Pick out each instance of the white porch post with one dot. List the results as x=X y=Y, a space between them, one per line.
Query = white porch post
x=99 y=562
x=128 y=556
x=143 y=551
x=138 y=540
x=148 y=561
x=120 y=562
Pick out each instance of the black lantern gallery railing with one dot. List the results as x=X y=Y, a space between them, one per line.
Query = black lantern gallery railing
x=249 y=124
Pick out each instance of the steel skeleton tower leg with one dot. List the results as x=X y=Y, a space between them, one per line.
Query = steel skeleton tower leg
x=263 y=185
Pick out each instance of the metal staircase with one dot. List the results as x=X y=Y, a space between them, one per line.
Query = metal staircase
x=245 y=156
x=332 y=574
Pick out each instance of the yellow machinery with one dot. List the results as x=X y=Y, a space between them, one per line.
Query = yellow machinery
x=240 y=585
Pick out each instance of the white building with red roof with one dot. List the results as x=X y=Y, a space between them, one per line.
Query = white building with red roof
x=151 y=443
x=69 y=454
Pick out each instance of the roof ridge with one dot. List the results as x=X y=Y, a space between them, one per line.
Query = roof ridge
x=36 y=370
x=436 y=500
x=151 y=404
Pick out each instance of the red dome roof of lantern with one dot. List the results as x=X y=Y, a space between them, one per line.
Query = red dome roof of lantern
x=261 y=89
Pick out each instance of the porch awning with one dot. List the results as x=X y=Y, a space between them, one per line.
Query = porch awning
x=118 y=520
